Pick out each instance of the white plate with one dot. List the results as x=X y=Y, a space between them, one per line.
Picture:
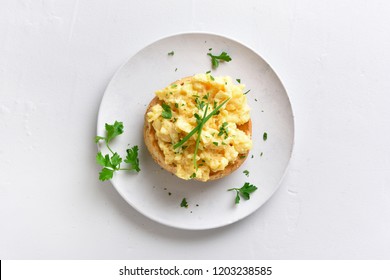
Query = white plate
x=156 y=193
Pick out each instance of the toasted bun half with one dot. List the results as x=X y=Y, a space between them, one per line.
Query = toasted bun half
x=151 y=143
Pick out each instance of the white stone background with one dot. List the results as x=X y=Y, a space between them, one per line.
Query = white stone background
x=57 y=57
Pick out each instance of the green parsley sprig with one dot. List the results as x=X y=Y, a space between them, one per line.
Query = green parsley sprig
x=112 y=131
x=215 y=59
x=243 y=192
x=112 y=163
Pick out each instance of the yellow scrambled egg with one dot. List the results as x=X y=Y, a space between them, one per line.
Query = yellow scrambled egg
x=220 y=141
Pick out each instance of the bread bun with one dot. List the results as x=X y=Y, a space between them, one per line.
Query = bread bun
x=151 y=143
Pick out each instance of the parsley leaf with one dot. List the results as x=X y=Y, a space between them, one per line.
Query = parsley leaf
x=132 y=158
x=246 y=172
x=237 y=199
x=100 y=159
x=223 y=130
x=112 y=131
x=171 y=53
x=199 y=104
x=112 y=163
x=116 y=160
x=247 y=189
x=106 y=174
x=265 y=136
x=244 y=192
x=166 y=113
x=184 y=203
x=108 y=161
x=215 y=59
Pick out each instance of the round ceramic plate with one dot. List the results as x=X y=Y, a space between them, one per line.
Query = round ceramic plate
x=158 y=194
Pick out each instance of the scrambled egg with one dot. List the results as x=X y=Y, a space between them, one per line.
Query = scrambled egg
x=220 y=141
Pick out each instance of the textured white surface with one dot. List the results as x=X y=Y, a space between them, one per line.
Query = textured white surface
x=56 y=58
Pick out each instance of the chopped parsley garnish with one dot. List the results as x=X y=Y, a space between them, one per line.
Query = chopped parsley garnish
x=238 y=81
x=247 y=92
x=112 y=163
x=167 y=112
x=265 y=136
x=223 y=130
x=171 y=53
x=184 y=203
x=244 y=192
x=174 y=86
x=215 y=59
x=199 y=103
x=208 y=72
x=215 y=143
x=246 y=172
x=198 y=118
